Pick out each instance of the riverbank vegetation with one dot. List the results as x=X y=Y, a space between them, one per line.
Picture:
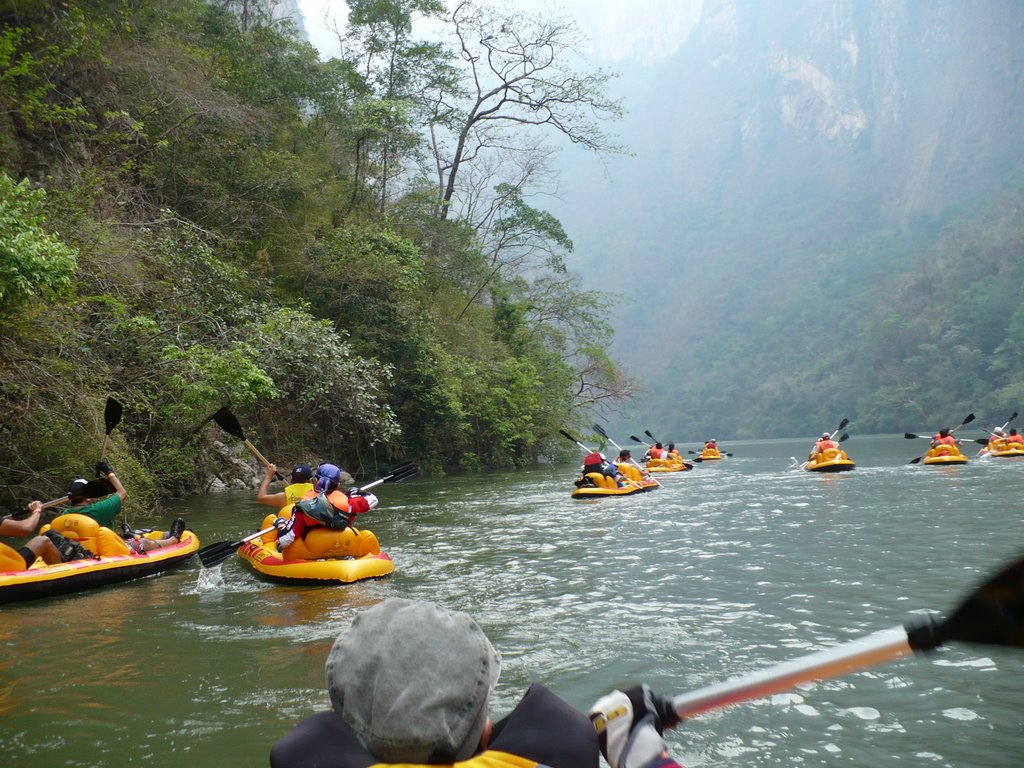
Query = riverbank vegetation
x=197 y=211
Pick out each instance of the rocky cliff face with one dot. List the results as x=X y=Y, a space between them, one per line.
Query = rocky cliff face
x=779 y=140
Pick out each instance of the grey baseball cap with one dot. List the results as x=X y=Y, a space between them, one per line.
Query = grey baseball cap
x=413 y=680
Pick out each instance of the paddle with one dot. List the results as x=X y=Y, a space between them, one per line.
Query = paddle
x=92 y=489
x=993 y=433
x=226 y=420
x=967 y=420
x=217 y=553
x=600 y=430
x=992 y=615
x=588 y=450
x=111 y=418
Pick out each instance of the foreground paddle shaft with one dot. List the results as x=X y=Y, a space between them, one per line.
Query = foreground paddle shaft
x=880 y=647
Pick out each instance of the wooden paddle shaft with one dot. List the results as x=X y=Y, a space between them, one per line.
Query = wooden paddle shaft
x=252 y=449
x=874 y=649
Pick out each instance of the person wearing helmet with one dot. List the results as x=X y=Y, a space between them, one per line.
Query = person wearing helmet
x=301 y=484
x=997 y=441
x=324 y=505
x=824 y=443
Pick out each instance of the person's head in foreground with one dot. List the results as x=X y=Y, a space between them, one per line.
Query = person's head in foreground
x=413 y=681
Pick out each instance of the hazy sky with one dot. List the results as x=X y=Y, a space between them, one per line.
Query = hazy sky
x=641 y=29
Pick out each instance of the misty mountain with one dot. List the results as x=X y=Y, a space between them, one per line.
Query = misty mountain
x=804 y=179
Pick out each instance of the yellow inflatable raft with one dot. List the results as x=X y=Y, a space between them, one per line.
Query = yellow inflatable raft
x=944 y=454
x=116 y=563
x=597 y=485
x=710 y=454
x=668 y=465
x=324 y=555
x=1002 y=449
x=830 y=460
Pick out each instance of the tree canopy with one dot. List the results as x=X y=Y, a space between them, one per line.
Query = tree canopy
x=197 y=211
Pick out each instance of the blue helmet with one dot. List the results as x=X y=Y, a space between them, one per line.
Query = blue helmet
x=328 y=476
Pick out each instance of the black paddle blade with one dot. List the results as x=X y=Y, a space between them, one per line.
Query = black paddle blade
x=915 y=461
x=215 y=554
x=97 y=488
x=600 y=430
x=649 y=435
x=844 y=436
x=404 y=473
x=992 y=615
x=910 y=436
x=226 y=420
x=967 y=419
x=112 y=414
x=565 y=434
x=636 y=439
x=981 y=440
x=842 y=424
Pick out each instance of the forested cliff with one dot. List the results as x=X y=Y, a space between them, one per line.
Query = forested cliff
x=822 y=218
x=196 y=211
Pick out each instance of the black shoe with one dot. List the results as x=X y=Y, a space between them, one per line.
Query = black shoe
x=70 y=550
x=177 y=529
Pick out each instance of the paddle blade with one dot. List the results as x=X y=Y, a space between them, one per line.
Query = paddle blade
x=226 y=420
x=600 y=430
x=215 y=554
x=842 y=437
x=636 y=439
x=112 y=414
x=992 y=615
x=842 y=424
x=967 y=419
x=981 y=440
x=910 y=436
x=915 y=461
x=566 y=435
x=649 y=435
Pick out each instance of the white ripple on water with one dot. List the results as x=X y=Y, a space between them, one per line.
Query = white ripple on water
x=961 y=713
x=863 y=713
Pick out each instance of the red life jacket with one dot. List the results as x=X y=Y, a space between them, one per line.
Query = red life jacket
x=657 y=453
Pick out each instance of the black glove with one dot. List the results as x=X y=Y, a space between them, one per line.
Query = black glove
x=354 y=491
x=629 y=725
x=103 y=469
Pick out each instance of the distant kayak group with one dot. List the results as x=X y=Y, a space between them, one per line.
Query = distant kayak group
x=624 y=475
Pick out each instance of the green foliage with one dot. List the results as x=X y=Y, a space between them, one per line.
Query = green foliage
x=33 y=262
x=242 y=224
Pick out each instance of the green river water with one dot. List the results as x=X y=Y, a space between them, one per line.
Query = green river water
x=729 y=568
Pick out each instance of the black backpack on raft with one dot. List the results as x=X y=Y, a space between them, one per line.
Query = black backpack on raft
x=321 y=510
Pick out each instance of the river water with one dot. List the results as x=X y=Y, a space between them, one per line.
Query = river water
x=729 y=568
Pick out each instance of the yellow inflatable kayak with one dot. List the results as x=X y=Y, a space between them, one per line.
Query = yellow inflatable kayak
x=944 y=454
x=1003 y=449
x=329 y=555
x=830 y=460
x=596 y=485
x=117 y=563
x=668 y=465
x=710 y=454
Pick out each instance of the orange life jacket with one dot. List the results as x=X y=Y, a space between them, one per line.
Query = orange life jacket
x=947 y=440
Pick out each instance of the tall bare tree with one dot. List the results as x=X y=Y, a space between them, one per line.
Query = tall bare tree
x=520 y=74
